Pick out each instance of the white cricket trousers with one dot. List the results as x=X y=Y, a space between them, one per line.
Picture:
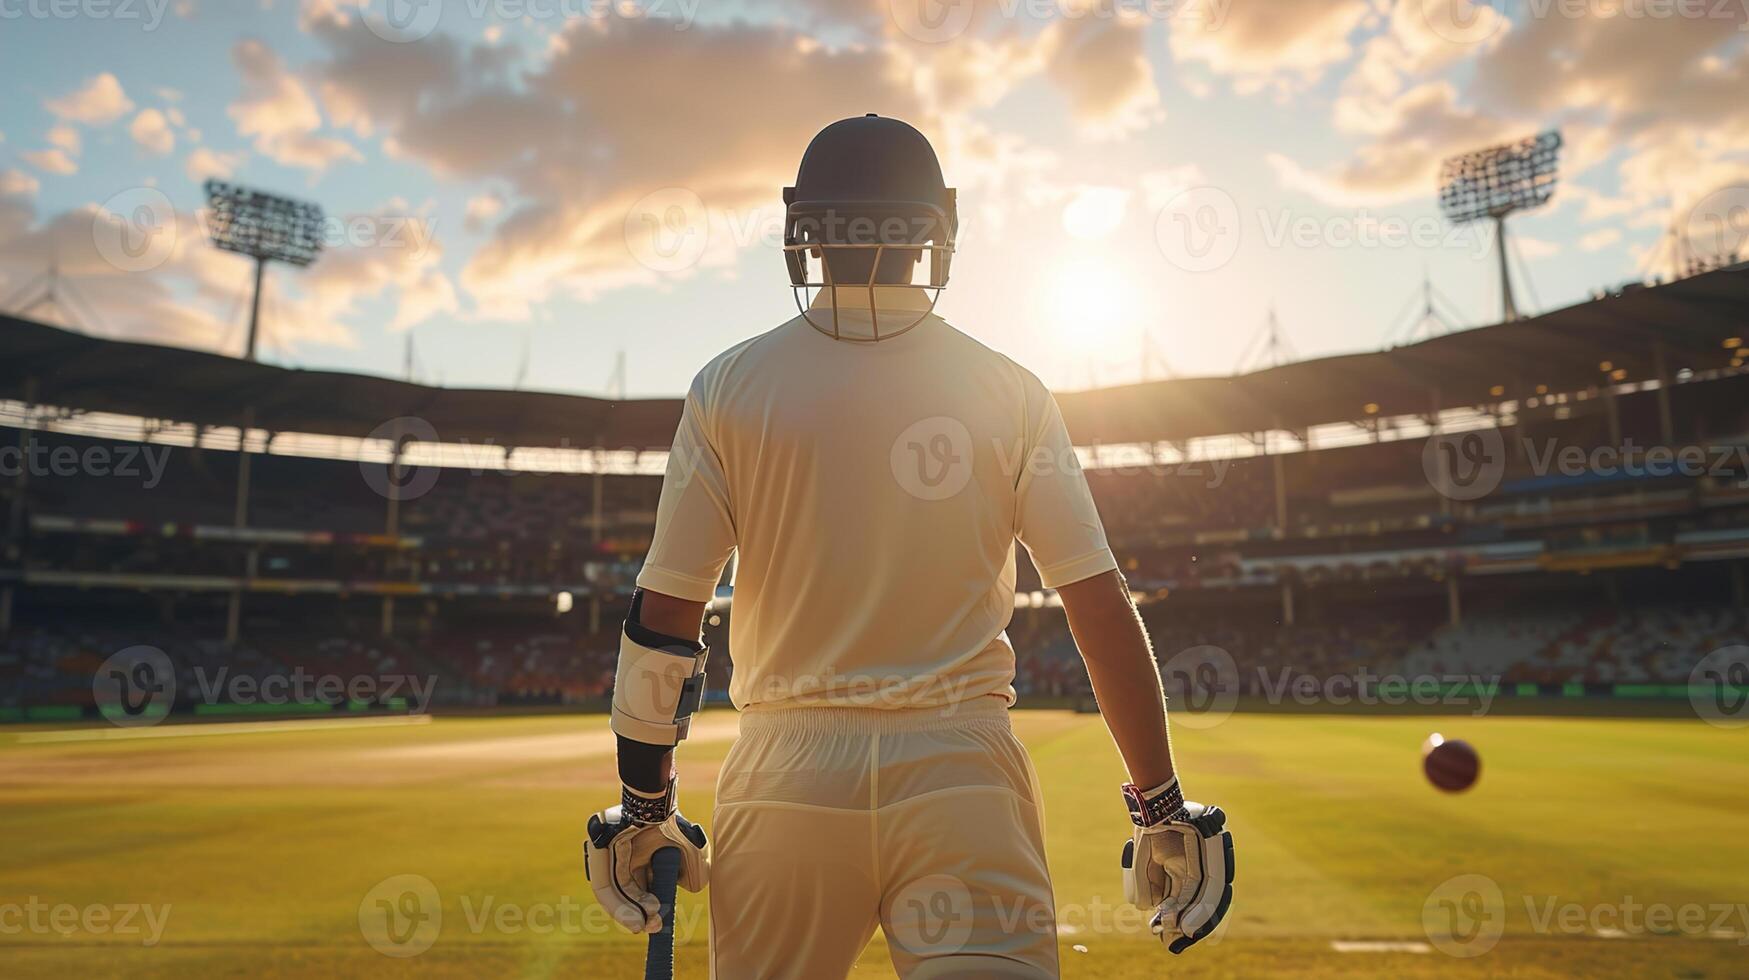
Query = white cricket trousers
x=924 y=822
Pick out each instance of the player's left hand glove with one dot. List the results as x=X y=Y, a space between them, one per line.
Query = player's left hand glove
x=1179 y=863
x=617 y=852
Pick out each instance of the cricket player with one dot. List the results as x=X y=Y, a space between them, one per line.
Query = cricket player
x=872 y=469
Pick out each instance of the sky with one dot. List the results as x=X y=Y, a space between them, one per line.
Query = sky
x=518 y=192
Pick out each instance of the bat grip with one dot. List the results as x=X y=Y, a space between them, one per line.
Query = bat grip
x=664 y=876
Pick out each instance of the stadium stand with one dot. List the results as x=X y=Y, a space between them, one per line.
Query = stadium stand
x=1323 y=549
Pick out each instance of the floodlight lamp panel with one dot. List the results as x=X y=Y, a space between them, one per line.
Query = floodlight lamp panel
x=264 y=226
x=1494 y=182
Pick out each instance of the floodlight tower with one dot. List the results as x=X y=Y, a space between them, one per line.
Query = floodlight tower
x=266 y=228
x=1495 y=182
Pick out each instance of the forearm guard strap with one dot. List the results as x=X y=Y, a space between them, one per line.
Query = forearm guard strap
x=656 y=689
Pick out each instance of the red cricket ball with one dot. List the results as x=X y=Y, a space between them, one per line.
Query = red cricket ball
x=1451 y=764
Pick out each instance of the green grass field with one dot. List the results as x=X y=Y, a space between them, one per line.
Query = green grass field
x=258 y=850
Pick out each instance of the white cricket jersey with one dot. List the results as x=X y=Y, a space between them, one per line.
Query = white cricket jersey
x=873 y=492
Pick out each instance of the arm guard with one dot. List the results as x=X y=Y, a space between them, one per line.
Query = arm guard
x=658 y=686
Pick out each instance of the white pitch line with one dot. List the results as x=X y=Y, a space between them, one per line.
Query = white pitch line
x=1379 y=946
x=197 y=729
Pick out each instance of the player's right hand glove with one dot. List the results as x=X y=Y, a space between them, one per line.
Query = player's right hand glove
x=617 y=852
x=1179 y=863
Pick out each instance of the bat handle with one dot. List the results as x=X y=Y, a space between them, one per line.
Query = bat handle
x=664 y=876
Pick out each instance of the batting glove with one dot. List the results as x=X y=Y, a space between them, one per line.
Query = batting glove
x=1179 y=863
x=617 y=852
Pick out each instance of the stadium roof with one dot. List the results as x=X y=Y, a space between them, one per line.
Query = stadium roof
x=78 y=371
x=1565 y=350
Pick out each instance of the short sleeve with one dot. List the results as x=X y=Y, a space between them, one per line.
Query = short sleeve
x=1056 y=519
x=695 y=526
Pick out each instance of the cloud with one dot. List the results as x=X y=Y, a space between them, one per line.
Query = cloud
x=1662 y=97
x=1598 y=240
x=99 y=102
x=1270 y=45
x=204 y=163
x=277 y=111
x=1101 y=65
x=152 y=132
x=190 y=295
x=52 y=161
x=1424 y=126
x=615 y=114
x=65 y=137
x=1159 y=187
x=481 y=210
x=17 y=189
x=401 y=256
x=1534 y=248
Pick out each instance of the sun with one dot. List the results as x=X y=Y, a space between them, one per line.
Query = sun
x=1091 y=302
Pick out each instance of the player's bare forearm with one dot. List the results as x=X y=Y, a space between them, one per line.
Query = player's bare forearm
x=649 y=767
x=1126 y=680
